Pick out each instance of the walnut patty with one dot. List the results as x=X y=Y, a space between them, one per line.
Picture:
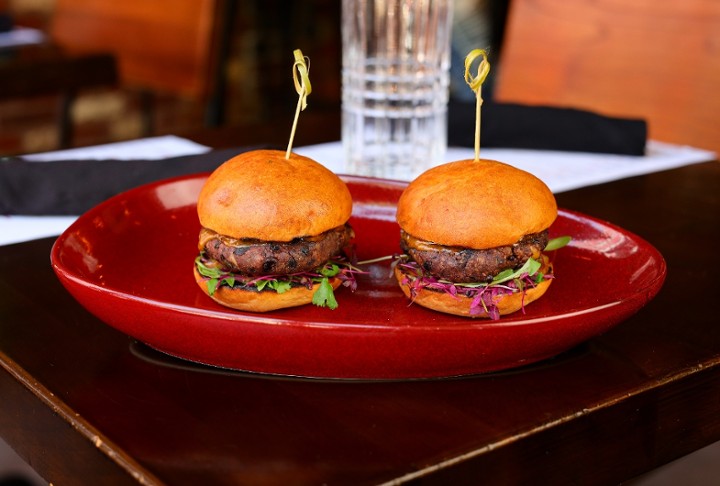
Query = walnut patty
x=459 y=264
x=256 y=258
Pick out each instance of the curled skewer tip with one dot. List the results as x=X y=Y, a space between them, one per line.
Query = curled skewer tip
x=475 y=82
x=301 y=76
x=301 y=79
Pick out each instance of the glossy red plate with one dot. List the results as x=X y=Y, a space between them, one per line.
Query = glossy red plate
x=129 y=262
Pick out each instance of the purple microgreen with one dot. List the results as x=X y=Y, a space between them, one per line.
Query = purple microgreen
x=484 y=296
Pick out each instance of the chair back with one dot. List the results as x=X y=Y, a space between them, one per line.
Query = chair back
x=160 y=45
x=643 y=58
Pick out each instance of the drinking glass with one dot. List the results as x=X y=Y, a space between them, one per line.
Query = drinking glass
x=395 y=77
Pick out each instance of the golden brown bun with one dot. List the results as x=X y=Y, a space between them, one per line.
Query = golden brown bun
x=460 y=305
x=475 y=204
x=260 y=194
x=265 y=301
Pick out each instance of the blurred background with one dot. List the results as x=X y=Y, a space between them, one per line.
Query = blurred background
x=182 y=67
x=237 y=55
x=107 y=71
x=229 y=64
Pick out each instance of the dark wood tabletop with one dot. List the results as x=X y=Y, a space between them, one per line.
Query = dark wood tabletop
x=85 y=404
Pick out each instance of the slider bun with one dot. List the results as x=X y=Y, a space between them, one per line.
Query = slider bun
x=261 y=195
x=475 y=204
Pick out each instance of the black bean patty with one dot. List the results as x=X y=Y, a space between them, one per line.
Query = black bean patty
x=255 y=258
x=458 y=264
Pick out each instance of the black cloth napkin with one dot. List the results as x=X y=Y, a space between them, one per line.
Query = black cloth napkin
x=510 y=125
x=71 y=187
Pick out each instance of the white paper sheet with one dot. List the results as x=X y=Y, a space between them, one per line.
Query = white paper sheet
x=21 y=36
x=561 y=171
x=16 y=229
x=153 y=148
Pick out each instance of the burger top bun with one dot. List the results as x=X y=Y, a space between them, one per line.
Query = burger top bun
x=260 y=194
x=475 y=204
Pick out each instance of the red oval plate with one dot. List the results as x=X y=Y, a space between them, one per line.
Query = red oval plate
x=129 y=262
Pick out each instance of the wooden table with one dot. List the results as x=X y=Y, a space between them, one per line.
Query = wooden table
x=84 y=404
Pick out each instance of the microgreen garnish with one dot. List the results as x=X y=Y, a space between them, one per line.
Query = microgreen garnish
x=484 y=295
x=475 y=83
x=530 y=267
x=324 y=295
x=557 y=243
x=377 y=260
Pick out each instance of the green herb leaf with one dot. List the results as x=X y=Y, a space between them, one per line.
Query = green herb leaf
x=212 y=285
x=557 y=243
x=330 y=271
x=324 y=295
x=530 y=267
x=279 y=286
x=206 y=271
x=504 y=276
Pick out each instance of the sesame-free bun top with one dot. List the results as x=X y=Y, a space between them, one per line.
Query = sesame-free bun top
x=260 y=194
x=475 y=204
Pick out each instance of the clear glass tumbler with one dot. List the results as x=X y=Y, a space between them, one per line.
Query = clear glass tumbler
x=395 y=77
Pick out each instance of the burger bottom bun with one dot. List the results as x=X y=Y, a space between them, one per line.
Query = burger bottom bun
x=459 y=305
x=263 y=301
